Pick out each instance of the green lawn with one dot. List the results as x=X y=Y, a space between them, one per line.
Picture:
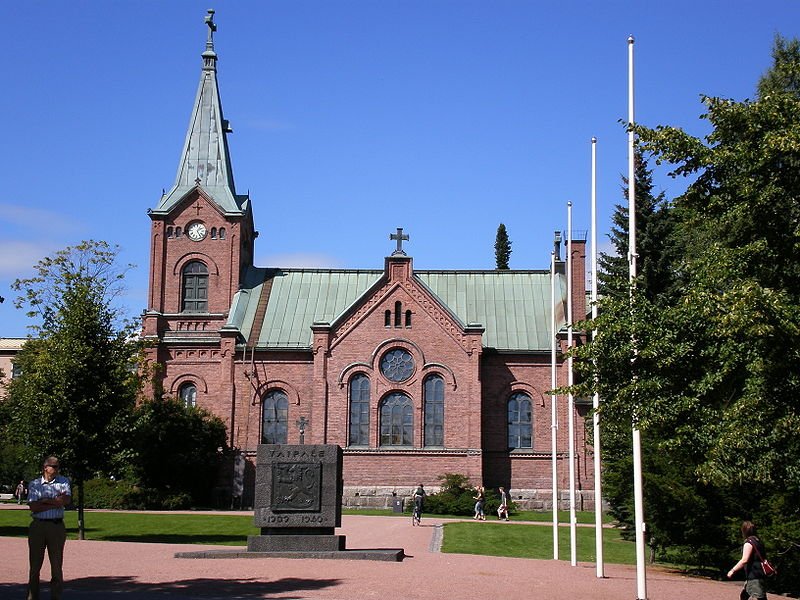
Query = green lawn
x=533 y=541
x=230 y=530
x=489 y=537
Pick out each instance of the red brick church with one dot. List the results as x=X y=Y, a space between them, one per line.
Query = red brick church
x=413 y=373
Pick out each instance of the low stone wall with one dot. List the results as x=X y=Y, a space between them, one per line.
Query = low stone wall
x=384 y=497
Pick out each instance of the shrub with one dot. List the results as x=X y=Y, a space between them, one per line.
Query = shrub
x=110 y=494
x=457 y=497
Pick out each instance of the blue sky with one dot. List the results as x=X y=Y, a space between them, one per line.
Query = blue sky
x=352 y=118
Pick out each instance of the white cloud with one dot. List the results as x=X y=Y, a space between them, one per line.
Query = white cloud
x=42 y=221
x=18 y=258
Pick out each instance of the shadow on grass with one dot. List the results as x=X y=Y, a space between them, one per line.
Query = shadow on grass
x=87 y=588
x=154 y=538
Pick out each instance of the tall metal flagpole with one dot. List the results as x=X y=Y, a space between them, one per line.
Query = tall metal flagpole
x=553 y=402
x=598 y=493
x=638 y=495
x=573 y=532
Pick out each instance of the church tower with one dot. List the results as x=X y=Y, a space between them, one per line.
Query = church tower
x=202 y=231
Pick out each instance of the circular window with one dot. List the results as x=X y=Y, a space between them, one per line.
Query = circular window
x=397 y=365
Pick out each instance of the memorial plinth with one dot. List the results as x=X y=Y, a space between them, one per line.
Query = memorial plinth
x=298 y=500
x=298 y=505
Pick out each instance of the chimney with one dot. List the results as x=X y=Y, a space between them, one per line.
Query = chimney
x=557 y=245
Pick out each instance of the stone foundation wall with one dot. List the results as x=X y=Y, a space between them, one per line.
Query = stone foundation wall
x=531 y=499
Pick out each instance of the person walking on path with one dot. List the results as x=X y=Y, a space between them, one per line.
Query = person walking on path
x=479 y=498
x=419 y=502
x=47 y=497
x=752 y=553
x=502 y=510
x=20 y=491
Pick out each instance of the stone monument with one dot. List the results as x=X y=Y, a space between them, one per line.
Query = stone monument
x=298 y=505
x=298 y=500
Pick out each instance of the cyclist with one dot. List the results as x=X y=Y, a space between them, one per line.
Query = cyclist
x=419 y=500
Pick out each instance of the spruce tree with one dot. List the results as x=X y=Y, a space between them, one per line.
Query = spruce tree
x=502 y=248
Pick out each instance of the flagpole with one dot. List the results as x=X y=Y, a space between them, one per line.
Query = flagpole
x=573 y=533
x=598 y=493
x=553 y=402
x=638 y=495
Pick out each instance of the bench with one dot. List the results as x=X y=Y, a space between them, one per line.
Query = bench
x=6 y=497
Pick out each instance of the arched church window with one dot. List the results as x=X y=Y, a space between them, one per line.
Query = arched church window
x=188 y=394
x=195 y=287
x=222 y=233
x=397 y=420
x=387 y=319
x=520 y=421
x=213 y=233
x=408 y=318
x=274 y=418
x=169 y=232
x=433 y=397
x=398 y=314
x=359 y=411
x=178 y=232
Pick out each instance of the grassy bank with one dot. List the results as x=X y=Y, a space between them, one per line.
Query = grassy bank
x=487 y=538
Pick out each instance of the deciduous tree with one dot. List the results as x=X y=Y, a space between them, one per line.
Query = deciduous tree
x=78 y=379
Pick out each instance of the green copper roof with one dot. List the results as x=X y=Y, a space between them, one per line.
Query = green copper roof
x=513 y=306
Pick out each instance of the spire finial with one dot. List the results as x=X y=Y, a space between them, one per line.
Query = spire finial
x=209 y=56
x=212 y=27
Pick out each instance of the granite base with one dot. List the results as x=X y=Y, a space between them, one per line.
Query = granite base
x=385 y=554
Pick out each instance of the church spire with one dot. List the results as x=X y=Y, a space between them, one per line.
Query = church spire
x=205 y=162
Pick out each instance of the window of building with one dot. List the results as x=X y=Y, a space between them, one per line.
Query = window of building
x=387 y=319
x=275 y=418
x=433 y=391
x=188 y=394
x=397 y=420
x=408 y=318
x=178 y=232
x=398 y=314
x=397 y=365
x=359 y=411
x=213 y=233
x=195 y=287
x=16 y=371
x=169 y=232
x=520 y=421
x=222 y=233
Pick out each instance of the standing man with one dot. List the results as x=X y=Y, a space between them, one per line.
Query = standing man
x=47 y=497
x=20 y=491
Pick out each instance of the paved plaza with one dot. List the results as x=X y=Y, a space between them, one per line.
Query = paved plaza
x=144 y=571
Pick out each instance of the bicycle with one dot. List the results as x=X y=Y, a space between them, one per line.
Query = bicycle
x=416 y=513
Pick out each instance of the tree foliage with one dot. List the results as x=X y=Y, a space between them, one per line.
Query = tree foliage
x=714 y=382
x=176 y=451
x=78 y=381
x=502 y=248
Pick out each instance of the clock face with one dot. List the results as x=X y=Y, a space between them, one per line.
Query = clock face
x=196 y=231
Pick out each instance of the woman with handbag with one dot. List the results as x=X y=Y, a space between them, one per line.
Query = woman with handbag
x=754 y=554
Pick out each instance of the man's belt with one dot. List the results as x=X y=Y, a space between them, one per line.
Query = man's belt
x=58 y=521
